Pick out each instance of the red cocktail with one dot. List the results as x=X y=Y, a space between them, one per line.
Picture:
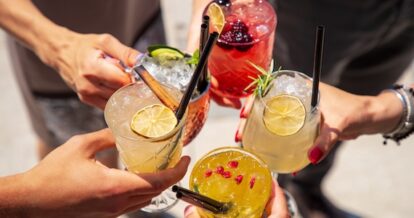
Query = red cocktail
x=247 y=35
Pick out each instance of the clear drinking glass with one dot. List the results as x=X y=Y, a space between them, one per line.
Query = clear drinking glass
x=285 y=152
x=140 y=154
x=248 y=35
x=177 y=73
x=234 y=176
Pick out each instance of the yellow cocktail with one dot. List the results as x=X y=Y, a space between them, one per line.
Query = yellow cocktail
x=282 y=126
x=234 y=176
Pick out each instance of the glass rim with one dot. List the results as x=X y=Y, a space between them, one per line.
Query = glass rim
x=260 y=98
x=170 y=134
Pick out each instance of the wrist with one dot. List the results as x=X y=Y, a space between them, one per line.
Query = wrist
x=386 y=112
x=50 y=45
x=14 y=191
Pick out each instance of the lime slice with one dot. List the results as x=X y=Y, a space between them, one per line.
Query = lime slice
x=153 y=121
x=216 y=15
x=284 y=115
x=163 y=52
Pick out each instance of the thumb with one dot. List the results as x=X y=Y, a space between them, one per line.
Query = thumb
x=97 y=141
x=114 y=48
x=191 y=212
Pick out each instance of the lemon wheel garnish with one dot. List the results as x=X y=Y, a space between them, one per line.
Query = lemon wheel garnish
x=216 y=15
x=153 y=121
x=284 y=115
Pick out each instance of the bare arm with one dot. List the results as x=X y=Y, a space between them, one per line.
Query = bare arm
x=194 y=29
x=79 y=58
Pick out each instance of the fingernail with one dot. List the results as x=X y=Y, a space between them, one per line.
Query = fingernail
x=315 y=155
x=242 y=114
x=237 y=137
x=189 y=210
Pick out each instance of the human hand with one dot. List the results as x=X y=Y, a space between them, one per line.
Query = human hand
x=346 y=116
x=82 y=64
x=69 y=182
x=223 y=101
x=276 y=206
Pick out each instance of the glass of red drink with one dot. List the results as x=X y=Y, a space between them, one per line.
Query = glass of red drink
x=247 y=36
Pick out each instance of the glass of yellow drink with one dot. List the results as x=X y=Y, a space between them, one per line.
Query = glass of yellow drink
x=133 y=107
x=233 y=176
x=282 y=125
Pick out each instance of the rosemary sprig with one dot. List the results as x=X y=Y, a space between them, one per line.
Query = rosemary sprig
x=262 y=83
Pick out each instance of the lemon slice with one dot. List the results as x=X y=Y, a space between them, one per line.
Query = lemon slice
x=284 y=115
x=216 y=15
x=153 y=121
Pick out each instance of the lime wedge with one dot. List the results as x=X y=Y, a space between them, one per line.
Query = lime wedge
x=153 y=121
x=216 y=15
x=163 y=52
x=284 y=115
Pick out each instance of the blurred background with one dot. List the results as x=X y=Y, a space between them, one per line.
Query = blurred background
x=368 y=179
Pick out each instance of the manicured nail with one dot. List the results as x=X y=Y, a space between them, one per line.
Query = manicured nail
x=244 y=113
x=237 y=137
x=315 y=155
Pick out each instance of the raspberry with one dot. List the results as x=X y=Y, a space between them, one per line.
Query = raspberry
x=235 y=32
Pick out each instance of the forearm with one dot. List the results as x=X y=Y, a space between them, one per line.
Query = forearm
x=13 y=194
x=25 y=22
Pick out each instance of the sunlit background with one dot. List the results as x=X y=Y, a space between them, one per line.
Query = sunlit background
x=368 y=179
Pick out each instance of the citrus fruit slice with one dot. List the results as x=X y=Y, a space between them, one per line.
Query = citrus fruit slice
x=153 y=121
x=163 y=52
x=216 y=15
x=284 y=115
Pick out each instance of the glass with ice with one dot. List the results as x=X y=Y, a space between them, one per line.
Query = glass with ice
x=177 y=72
x=247 y=34
x=147 y=133
x=282 y=125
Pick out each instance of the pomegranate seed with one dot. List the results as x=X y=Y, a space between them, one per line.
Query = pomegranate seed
x=226 y=174
x=252 y=181
x=238 y=179
x=294 y=173
x=208 y=173
x=220 y=170
x=233 y=164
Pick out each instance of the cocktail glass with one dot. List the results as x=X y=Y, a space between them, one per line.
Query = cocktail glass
x=177 y=73
x=282 y=138
x=247 y=35
x=234 y=176
x=138 y=153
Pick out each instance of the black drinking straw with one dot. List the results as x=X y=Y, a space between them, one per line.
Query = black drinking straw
x=196 y=75
x=317 y=64
x=202 y=81
x=200 y=200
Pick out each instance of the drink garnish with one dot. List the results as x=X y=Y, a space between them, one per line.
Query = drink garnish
x=153 y=121
x=164 y=53
x=284 y=115
x=236 y=34
x=216 y=15
x=261 y=84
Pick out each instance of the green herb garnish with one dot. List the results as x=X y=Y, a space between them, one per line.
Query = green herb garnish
x=195 y=58
x=262 y=83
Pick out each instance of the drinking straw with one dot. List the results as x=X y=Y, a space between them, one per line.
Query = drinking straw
x=196 y=75
x=202 y=81
x=200 y=200
x=317 y=64
x=156 y=88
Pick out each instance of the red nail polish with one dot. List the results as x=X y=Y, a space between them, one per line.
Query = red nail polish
x=242 y=114
x=237 y=137
x=315 y=155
